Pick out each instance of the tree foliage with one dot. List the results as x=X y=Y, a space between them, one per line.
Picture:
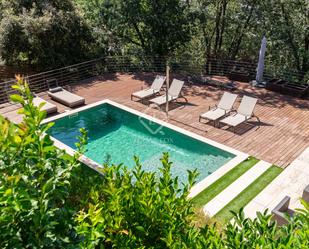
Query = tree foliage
x=42 y=33
x=49 y=200
x=154 y=27
x=233 y=30
x=53 y=33
x=229 y=29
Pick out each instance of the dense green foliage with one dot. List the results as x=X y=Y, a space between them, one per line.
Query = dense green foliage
x=158 y=27
x=42 y=33
x=52 y=33
x=35 y=182
x=49 y=200
x=233 y=29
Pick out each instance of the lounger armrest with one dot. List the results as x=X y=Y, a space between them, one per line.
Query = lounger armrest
x=254 y=116
x=212 y=107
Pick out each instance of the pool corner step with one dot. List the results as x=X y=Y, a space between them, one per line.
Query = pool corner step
x=228 y=194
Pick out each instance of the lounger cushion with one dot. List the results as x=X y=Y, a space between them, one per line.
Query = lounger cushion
x=227 y=101
x=213 y=114
x=56 y=89
x=154 y=88
x=247 y=106
x=161 y=99
x=173 y=93
x=145 y=93
x=67 y=98
x=234 y=120
x=48 y=107
x=158 y=83
x=175 y=88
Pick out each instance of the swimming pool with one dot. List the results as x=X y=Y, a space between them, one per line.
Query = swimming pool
x=117 y=133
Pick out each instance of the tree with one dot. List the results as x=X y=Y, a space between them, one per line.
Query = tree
x=42 y=34
x=158 y=27
x=289 y=33
x=234 y=29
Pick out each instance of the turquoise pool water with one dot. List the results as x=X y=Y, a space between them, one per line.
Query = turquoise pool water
x=116 y=135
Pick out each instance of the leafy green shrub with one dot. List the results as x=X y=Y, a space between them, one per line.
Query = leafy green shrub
x=49 y=200
x=263 y=233
x=35 y=181
x=137 y=210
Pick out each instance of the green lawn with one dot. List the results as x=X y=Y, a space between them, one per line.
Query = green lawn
x=218 y=186
x=224 y=215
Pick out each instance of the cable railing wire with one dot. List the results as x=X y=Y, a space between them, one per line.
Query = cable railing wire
x=147 y=64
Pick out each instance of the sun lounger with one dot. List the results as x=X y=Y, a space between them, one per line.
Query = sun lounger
x=153 y=90
x=244 y=112
x=281 y=211
x=48 y=107
x=174 y=92
x=224 y=106
x=65 y=97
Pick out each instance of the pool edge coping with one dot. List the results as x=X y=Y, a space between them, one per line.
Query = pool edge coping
x=198 y=187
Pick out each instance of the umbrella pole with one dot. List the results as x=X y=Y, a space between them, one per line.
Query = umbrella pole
x=167 y=87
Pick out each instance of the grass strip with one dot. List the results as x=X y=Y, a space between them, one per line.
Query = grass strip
x=224 y=215
x=223 y=182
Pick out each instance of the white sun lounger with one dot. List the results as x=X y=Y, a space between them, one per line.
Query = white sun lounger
x=224 y=106
x=174 y=92
x=153 y=90
x=48 y=107
x=244 y=112
x=65 y=97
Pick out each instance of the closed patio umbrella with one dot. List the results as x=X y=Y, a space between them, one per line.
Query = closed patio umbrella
x=260 y=68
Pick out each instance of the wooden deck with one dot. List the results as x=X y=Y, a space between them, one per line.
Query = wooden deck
x=281 y=136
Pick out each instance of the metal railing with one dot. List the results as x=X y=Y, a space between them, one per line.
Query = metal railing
x=75 y=73
x=133 y=63
x=38 y=82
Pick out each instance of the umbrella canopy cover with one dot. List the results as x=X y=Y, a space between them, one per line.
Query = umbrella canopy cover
x=260 y=68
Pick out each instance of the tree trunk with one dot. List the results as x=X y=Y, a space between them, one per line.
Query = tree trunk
x=235 y=45
x=305 y=64
x=223 y=18
x=217 y=27
x=290 y=39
